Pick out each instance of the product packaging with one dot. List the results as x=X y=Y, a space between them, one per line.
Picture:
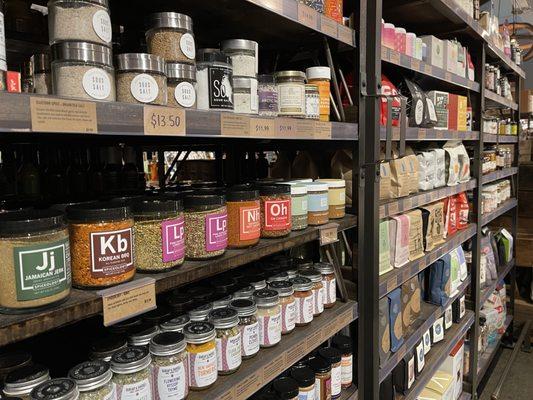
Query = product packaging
x=440 y=101
x=384 y=248
x=384 y=330
x=395 y=309
x=416 y=235
x=435 y=51
x=399 y=240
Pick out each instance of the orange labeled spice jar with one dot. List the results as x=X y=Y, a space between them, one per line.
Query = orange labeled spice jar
x=244 y=216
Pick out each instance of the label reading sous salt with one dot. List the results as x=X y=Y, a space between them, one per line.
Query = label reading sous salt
x=96 y=83
x=249 y=222
x=228 y=353
x=187 y=46
x=111 y=253
x=144 y=88
x=249 y=339
x=185 y=94
x=173 y=239
x=220 y=88
x=102 y=25
x=171 y=382
x=135 y=391
x=216 y=231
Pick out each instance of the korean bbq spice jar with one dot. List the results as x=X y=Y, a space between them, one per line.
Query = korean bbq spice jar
x=244 y=216
x=317 y=197
x=329 y=282
x=181 y=84
x=56 y=389
x=214 y=74
x=170 y=36
x=93 y=379
x=322 y=369
x=291 y=93
x=268 y=316
x=35 y=266
x=132 y=373
x=21 y=382
x=244 y=56
x=306 y=381
x=248 y=326
x=298 y=205
x=101 y=244
x=275 y=210
x=228 y=339
x=245 y=100
x=321 y=76
x=288 y=304
x=333 y=356
x=202 y=354
x=303 y=293
x=336 y=197
x=318 y=289
x=344 y=345
x=285 y=388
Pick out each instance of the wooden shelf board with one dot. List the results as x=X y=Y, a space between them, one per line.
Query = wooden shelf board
x=502 y=209
x=500 y=174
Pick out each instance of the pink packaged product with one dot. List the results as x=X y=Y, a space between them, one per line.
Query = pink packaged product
x=399 y=44
x=410 y=43
x=399 y=227
x=389 y=35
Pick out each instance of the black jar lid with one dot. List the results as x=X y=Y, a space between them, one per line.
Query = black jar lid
x=204 y=198
x=30 y=221
x=303 y=375
x=56 y=389
x=343 y=343
x=141 y=335
x=167 y=344
x=331 y=354
x=13 y=360
x=104 y=348
x=286 y=388
x=212 y=55
x=99 y=211
x=272 y=190
x=201 y=293
x=154 y=317
x=244 y=192
x=130 y=359
x=180 y=302
x=319 y=365
x=157 y=204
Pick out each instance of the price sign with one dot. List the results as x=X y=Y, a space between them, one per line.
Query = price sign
x=394 y=57
x=305 y=128
x=328 y=26
x=384 y=53
x=322 y=130
x=164 y=121
x=422 y=133
x=59 y=115
x=262 y=127
x=428 y=69
x=285 y=127
x=415 y=64
x=248 y=386
x=234 y=125
x=307 y=16
x=329 y=234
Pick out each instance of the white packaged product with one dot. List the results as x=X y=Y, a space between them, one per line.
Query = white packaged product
x=426 y=170
x=412 y=171
x=399 y=226
x=440 y=167
x=452 y=166
x=462 y=158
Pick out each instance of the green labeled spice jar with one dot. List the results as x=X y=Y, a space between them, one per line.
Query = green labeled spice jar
x=93 y=379
x=56 y=389
x=22 y=381
x=298 y=205
x=132 y=373
x=34 y=260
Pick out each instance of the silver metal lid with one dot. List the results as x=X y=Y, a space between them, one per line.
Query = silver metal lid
x=223 y=302
x=141 y=62
x=301 y=284
x=324 y=268
x=91 y=375
x=170 y=20
x=56 y=389
x=181 y=71
x=228 y=46
x=280 y=277
x=243 y=83
x=311 y=273
x=104 y=348
x=130 y=360
x=244 y=307
x=266 y=298
x=284 y=288
x=258 y=285
x=82 y=51
x=40 y=62
x=199 y=332
x=289 y=74
x=200 y=313
x=223 y=318
x=143 y=335
x=167 y=344
x=246 y=292
x=175 y=324
x=22 y=380
x=293 y=273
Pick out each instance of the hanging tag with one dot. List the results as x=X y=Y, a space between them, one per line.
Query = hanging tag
x=329 y=234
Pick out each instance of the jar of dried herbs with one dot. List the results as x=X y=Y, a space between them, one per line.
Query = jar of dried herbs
x=169 y=365
x=298 y=205
x=288 y=305
x=329 y=282
x=200 y=313
x=142 y=335
x=56 y=389
x=202 y=354
x=175 y=324
x=275 y=210
x=336 y=197
x=35 y=268
x=21 y=382
x=159 y=233
x=244 y=216
x=170 y=36
x=228 y=339
x=101 y=244
x=103 y=349
x=318 y=289
x=132 y=373
x=303 y=293
x=268 y=316
x=181 y=82
x=248 y=326
x=93 y=379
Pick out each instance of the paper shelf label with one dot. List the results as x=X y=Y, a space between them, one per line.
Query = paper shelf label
x=328 y=26
x=296 y=353
x=428 y=69
x=262 y=127
x=285 y=127
x=307 y=16
x=59 y=115
x=329 y=234
x=234 y=125
x=345 y=34
x=415 y=64
x=394 y=57
x=322 y=130
x=274 y=368
x=164 y=121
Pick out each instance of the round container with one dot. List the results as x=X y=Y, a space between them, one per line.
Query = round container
x=298 y=205
x=181 y=84
x=248 y=326
x=175 y=324
x=258 y=284
x=245 y=99
x=344 y=345
x=303 y=293
x=170 y=36
x=202 y=354
x=101 y=244
x=21 y=382
x=223 y=302
x=291 y=93
x=180 y=303
x=124 y=327
x=56 y=389
x=200 y=313
x=169 y=365
x=246 y=292
x=321 y=77
x=13 y=360
x=322 y=369
x=244 y=56
x=268 y=316
x=93 y=379
x=275 y=210
x=285 y=388
x=328 y=282
x=306 y=382
x=154 y=317
x=132 y=372
x=142 y=335
x=42 y=76
x=268 y=96
x=318 y=289
x=83 y=70
x=280 y=277
x=228 y=339
x=336 y=197
x=333 y=356
x=317 y=197
x=214 y=74
x=312 y=102
x=288 y=304
x=104 y=348
x=244 y=216
x=141 y=78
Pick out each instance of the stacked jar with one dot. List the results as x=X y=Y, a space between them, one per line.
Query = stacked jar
x=248 y=326
x=214 y=74
x=244 y=216
x=132 y=372
x=275 y=210
x=93 y=379
x=201 y=354
x=317 y=197
x=336 y=197
x=228 y=339
x=321 y=77
x=303 y=293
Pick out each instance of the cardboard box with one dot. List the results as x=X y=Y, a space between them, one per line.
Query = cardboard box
x=440 y=101
x=450 y=56
x=434 y=51
x=462 y=108
x=453 y=104
x=441 y=383
x=454 y=365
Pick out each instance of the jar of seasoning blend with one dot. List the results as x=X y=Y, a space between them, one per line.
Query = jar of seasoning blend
x=305 y=377
x=35 y=266
x=42 y=78
x=318 y=289
x=344 y=345
x=312 y=102
x=245 y=100
x=246 y=292
x=291 y=93
x=56 y=389
x=303 y=293
x=328 y=282
x=322 y=369
x=175 y=324
x=285 y=388
x=170 y=36
x=333 y=356
x=132 y=374
x=298 y=205
x=181 y=83
x=248 y=326
x=268 y=96
x=317 y=197
x=244 y=216
x=268 y=316
x=288 y=305
x=103 y=349
x=141 y=335
x=93 y=379
x=228 y=339
x=275 y=210
x=336 y=197
x=321 y=77
x=21 y=382
x=202 y=354
x=214 y=74
x=200 y=313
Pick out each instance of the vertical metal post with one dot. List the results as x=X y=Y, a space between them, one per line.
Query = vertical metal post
x=161 y=168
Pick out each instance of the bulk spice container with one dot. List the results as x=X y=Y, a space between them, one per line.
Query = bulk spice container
x=35 y=268
x=169 y=366
x=291 y=93
x=303 y=293
x=344 y=345
x=318 y=289
x=228 y=339
x=83 y=70
x=305 y=377
x=285 y=388
x=103 y=349
x=248 y=326
x=268 y=96
x=200 y=313
x=159 y=234
x=214 y=74
x=245 y=100
x=333 y=356
x=56 y=389
x=42 y=78
x=336 y=197
x=244 y=56
x=206 y=225
x=312 y=102
x=175 y=324
x=22 y=381
x=170 y=37
x=322 y=369
x=101 y=244
x=275 y=210
x=329 y=282
x=268 y=316
x=201 y=354
x=141 y=335
x=93 y=379
x=288 y=305
x=141 y=78
x=132 y=373
x=244 y=216
x=298 y=206
x=181 y=83
x=321 y=76
x=317 y=197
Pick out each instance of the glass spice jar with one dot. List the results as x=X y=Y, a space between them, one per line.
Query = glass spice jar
x=322 y=369
x=201 y=294
x=42 y=77
x=169 y=366
x=202 y=354
x=344 y=345
x=200 y=313
x=321 y=76
x=279 y=277
x=170 y=36
x=298 y=205
x=306 y=382
x=259 y=284
x=291 y=93
x=175 y=324
x=288 y=305
x=214 y=74
x=268 y=96
x=180 y=303
x=317 y=197
x=328 y=282
x=303 y=293
x=336 y=197
x=248 y=326
x=103 y=349
x=285 y=388
x=21 y=382
x=141 y=335
x=132 y=373
x=181 y=85
x=244 y=56
x=13 y=360
x=223 y=302
x=275 y=210
x=312 y=102
x=101 y=244
x=56 y=389
x=244 y=216
x=333 y=356
x=93 y=379
x=246 y=292
x=245 y=100
x=228 y=339
x=318 y=289
x=154 y=317
x=268 y=316
x=224 y=285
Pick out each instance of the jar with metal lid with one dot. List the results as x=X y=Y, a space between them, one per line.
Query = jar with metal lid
x=333 y=356
x=285 y=388
x=170 y=36
x=222 y=302
x=293 y=273
x=291 y=93
x=200 y=313
x=175 y=324
x=306 y=382
x=279 y=277
x=79 y=20
x=246 y=292
x=42 y=77
x=83 y=70
x=344 y=345
x=155 y=316
x=141 y=335
x=228 y=339
x=288 y=304
x=268 y=316
x=244 y=216
x=329 y=282
x=318 y=289
x=248 y=326
x=132 y=373
x=214 y=74
x=259 y=284
x=275 y=210
x=201 y=294
x=93 y=379
x=13 y=360
x=268 y=96
x=303 y=293
x=317 y=197
x=21 y=382
x=169 y=365
x=56 y=389
x=244 y=56
x=181 y=84
x=245 y=100
x=322 y=369
x=35 y=266
x=180 y=303
x=202 y=354
x=312 y=102
x=103 y=349
x=336 y=197
x=224 y=286
x=298 y=205
x=141 y=78
x=124 y=327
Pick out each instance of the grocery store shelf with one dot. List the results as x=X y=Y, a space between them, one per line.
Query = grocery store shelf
x=429 y=313
x=496 y=101
x=492 y=138
x=486 y=358
x=497 y=175
x=502 y=209
x=349 y=394
x=502 y=273
x=404 y=204
x=505 y=61
x=391 y=280
x=425 y=134
x=83 y=304
x=260 y=370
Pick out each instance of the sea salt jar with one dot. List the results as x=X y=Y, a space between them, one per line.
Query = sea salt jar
x=181 y=82
x=214 y=75
x=245 y=98
x=170 y=37
x=244 y=56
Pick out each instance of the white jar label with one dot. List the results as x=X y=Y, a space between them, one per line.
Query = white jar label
x=96 y=83
x=185 y=94
x=347 y=369
x=203 y=368
x=318 y=304
x=291 y=98
x=3 y=64
x=249 y=339
x=330 y=287
x=187 y=46
x=269 y=329
x=288 y=312
x=304 y=309
x=229 y=353
x=419 y=112
x=135 y=391
x=171 y=382
x=318 y=389
x=336 y=380
x=144 y=88
x=254 y=100
x=102 y=25
x=309 y=395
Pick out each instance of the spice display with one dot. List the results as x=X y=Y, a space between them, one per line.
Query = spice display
x=329 y=282
x=303 y=293
x=180 y=303
x=288 y=305
x=322 y=369
x=83 y=70
x=141 y=335
x=318 y=289
x=285 y=388
x=280 y=277
x=169 y=366
x=132 y=373
x=245 y=100
x=175 y=324
x=206 y=225
x=244 y=56
x=228 y=339
x=42 y=78
x=170 y=36
x=298 y=206
x=101 y=244
x=104 y=348
x=317 y=197
x=275 y=210
x=22 y=381
x=80 y=20
x=321 y=76
x=244 y=216
x=312 y=102
x=248 y=326
x=336 y=197
x=306 y=382
x=268 y=316
x=291 y=93
x=54 y=389
x=214 y=74
x=202 y=354
x=223 y=302
x=344 y=345
x=93 y=379
x=141 y=78
x=268 y=96
x=181 y=85
x=201 y=313
x=333 y=356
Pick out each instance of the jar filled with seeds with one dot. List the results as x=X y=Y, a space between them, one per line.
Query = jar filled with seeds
x=228 y=339
x=141 y=335
x=244 y=56
x=202 y=354
x=288 y=304
x=298 y=205
x=170 y=36
x=93 y=379
x=268 y=96
x=169 y=365
x=79 y=20
x=248 y=326
x=336 y=197
x=245 y=100
x=141 y=78
x=56 y=389
x=312 y=102
x=318 y=289
x=181 y=82
x=303 y=293
x=214 y=74
x=268 y=316
x=275 y=210
x=291 y=93
x=244 y=216
x=132 y=373
x=21 y=382
x=42 y=77
x=103 y=349
x=159 y=233
x=200 y=313
x=175 y=324
x=83 y=70
x=329 y=282
x=317 y=197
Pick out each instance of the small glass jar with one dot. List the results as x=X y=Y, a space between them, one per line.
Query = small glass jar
x=214 y=74
x=306 y=382
x=259 y=284
x=317 y=197
x=244 y=216
x=200 y=313
x=21 y=382
x=141 y=79
x=268 y=316
x=245 y=100
x=154 y=317
x=268 y=96
x=224 y=286
x=285 y=388
x=132 y=373
x=246 y=292
x=228 y=339
x=175 y=324
x=93 y=379
x=275 y=210
x=303 y=293
x=170 y=36
x=322 y=369
x=42 y=77
x=103 y=349
x=83 y=70
x=279 y=277
x=321 y=77
x=56 y=389
x=344 y=345
x=141 y=335
x=202 y=354
x=288 y=304
x=336 y=197
x=298 y=205
x=180 y=303
x=333 y=356
x=248 y=326
x=291 y=93
x=312 y=102
x=223 y=302
x=181 y=85
x=318 y=289
x=244 y=56
x=329 y=282
x=169 y=365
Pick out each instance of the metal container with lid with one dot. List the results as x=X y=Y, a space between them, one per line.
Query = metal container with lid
x=130 y=360
x=197 y=332
x=222 y=302
x=170 y=36
x=279 y=277
x=93 y=379
x=224 y=317
x=21 y=382
x=268 y=316
x=329 y=282
x=181 y=82
x=246 y=292
x=142 y=335
x=288 y=304
x=56 y=389
x=228 y=339
x=215 y=80
x=200 y=313
x=318 y=289
x=132 y=370
x=42 y=77
x=291 y=93
x=245 y=97
x=104 y=348
x=244 y=56
x=175 y=324
x=248 y=326
x=167 y=343
x=200 y=338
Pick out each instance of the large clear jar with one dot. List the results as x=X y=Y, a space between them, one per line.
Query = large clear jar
x=268 y=96
x=318 y=289
x=275 y=210
x=21 y=382
x=56 y=389
x=288 y=304
x=181 y=82
x=83 y=70
x=291 y=93
x=141 y=79
x=93 y=379
x=132 y=373
x=245 y=100
x=170 y=36
x=336 y=197
x=201 y=354
x=244 y=56
x=79 y=20
x=299 y=207
x=329 y=282
x=228 y=339
x=170 y=366
x=317 y=197
x=248 y=326
x=303 y=293
x=214 y=74
x=268 y=316
x=244 y=216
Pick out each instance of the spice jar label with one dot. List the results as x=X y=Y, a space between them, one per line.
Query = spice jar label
x=336 y=380
x=288 y=312
x=171 y=382
x=347 y=370
x=250 y=339
x=203 y=368
x=102 y=25
x=111 y=253
x=216 y=231
x=269 y=329
x=42 y=270
x=187 y=46
x=330 y=290
x=220 y=88
x=173 y=239
x=318 y=305
x=229 y=352
x=304 y=309
x=185 y=94
x=144 y=88
x=96 y=83
x=135 y=391
x=277 y=215
x=250 y=222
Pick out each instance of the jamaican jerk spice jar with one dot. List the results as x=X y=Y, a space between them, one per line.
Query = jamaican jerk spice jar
x=275 y=210
x=244 y=216
x=101 y=244
x=201 y=354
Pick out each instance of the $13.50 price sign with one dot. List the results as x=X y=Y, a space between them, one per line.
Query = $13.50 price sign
x=164 y=121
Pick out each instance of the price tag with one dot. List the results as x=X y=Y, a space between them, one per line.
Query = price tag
x=274 y=5
x=285 y=127
x=234 y=125
x=314 y=340
x=422 y=133
x=322 y=130
x=58 y=115
x=307 y=16
x=415 y=64
x=394 y=57
x=329 y=234
x=393 y=208
x=346 y=34
x=439 y=134
x=395 y=133
x=392 y=284
x=128 y=300
x=428 y=69
x=305 y=128
x=164 y=121
x=262 y=127
x=328 y=26
x=407 y=204
x=448 y=76
x=229 y=395
x=247 y=386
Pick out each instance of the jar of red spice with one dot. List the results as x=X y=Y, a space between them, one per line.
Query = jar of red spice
x=275 y=210
x=244 y=216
